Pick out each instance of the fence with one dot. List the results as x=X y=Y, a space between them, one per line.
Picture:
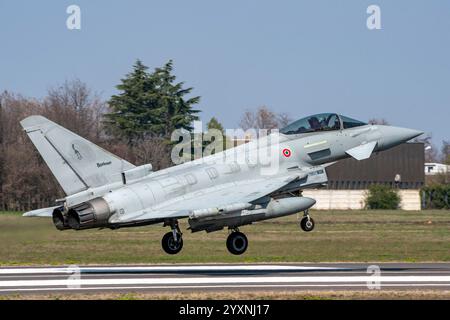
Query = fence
x=435 y=196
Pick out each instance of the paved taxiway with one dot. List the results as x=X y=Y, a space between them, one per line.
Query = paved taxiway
x=221 y=277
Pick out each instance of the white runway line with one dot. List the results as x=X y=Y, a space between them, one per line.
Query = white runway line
x=242 y=280
x=66 y=273
x=66 y=270
x=115 y=278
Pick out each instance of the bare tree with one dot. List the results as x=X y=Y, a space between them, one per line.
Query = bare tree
x=283 y=120
x=431 y=153
x=2 y=152
x=155 y=151
x=380 y=121
x=25 y=180
x=74 y=106
x=263 y=118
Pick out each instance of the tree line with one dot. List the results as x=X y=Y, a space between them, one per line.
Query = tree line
x=135 y=124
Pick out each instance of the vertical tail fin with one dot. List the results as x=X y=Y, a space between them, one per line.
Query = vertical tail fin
x=75 y=162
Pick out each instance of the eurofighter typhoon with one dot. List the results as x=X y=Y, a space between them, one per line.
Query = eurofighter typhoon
x=214 y=192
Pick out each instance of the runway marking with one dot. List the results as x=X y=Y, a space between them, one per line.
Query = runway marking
x=163 y=268
x=93 y=275
x=217 y=277
x=225 y=287
x=224 y=280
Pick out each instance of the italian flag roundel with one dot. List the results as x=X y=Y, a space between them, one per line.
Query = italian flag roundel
x=286 y=152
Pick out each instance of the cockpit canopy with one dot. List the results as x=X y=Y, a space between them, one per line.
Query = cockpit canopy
x=321 y=122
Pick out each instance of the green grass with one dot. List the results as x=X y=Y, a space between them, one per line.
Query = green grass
x=243 y=295
x=351 y=236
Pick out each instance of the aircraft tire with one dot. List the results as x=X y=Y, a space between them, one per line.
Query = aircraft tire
x=237 y=243
x=169 y=244
x=306 y=224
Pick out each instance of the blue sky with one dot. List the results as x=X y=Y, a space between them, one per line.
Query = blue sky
x=299 y=57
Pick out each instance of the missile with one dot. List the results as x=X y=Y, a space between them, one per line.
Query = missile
x=209 y=212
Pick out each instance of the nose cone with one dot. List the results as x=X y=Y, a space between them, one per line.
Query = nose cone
x=392 y=136
x=405 y=134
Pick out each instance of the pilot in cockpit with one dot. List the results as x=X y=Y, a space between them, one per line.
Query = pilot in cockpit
x=336 y=125
x=314 y=123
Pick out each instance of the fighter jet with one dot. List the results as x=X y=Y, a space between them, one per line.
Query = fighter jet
x=105 y=191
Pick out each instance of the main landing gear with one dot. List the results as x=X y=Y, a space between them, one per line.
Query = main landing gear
x=172 y=242
x=237 y=242
x=307 y=223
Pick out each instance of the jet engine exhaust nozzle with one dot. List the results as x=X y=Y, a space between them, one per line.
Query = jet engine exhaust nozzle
x=60 y=220
x=92 y=214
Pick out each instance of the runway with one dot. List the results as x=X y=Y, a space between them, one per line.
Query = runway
x=225 y=277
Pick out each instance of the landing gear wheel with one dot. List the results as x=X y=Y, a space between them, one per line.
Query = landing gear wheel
x=170 y=245
x=237 y=243
x=307 y=224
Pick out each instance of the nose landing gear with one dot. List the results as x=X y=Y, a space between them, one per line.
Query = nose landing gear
x=307 y=223
x=172 y=242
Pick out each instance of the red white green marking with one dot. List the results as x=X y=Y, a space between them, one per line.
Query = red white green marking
x=287 y=152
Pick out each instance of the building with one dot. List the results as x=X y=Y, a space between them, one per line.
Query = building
x=400 y=167
x=348 y=180
x=432 y=168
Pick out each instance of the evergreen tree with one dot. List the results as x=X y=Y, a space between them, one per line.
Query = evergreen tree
x=176 y=111
x=150 y=104
x=215 y=124
x=446 y=152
